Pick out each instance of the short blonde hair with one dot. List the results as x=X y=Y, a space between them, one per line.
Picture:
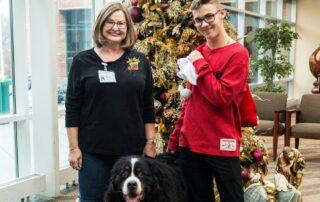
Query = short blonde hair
x=198 y=3
x=104 y=14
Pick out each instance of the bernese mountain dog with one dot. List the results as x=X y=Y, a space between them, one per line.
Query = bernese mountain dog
x=143 y=179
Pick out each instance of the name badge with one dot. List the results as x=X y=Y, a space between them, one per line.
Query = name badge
x=107 y=76
x=228 y=144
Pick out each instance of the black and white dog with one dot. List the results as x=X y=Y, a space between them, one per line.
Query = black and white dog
x=143 y=179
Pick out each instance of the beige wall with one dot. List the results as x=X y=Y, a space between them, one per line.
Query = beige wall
x=308 y=23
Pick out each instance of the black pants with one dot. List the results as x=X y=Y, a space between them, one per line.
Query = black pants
x=199 y=171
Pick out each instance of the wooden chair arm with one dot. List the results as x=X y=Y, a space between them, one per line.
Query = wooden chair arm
x=280 y=111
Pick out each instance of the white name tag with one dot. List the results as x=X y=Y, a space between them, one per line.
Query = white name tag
x=228 y=144
x=107 y=77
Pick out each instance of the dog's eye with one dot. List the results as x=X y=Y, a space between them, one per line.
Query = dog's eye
x=124 y=174
x=139 y=173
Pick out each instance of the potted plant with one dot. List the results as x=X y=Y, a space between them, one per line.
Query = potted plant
x=273 y=42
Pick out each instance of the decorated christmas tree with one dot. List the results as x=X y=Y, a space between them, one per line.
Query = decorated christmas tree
x=165 y=33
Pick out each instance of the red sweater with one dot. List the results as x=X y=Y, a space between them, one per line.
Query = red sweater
x=209 y=122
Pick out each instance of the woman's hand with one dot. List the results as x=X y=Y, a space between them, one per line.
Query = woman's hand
x=75 y=158
x=150 y=149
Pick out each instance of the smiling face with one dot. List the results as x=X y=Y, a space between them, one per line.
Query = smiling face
x=209 y=20
x=115 y=28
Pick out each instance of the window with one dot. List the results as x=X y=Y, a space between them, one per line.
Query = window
x=232 y=3
x=78 y=32
x=252 y=5
x=233 y=19
x=7 y=153
x=271 y=6
x=287 y=10
x=251 y=24
x=6 y=91
x=75 y=35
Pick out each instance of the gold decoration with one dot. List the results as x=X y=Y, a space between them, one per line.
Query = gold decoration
x=291 y=163
x=133 y=64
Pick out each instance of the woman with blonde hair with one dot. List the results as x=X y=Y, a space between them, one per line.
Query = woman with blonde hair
x=109 y=105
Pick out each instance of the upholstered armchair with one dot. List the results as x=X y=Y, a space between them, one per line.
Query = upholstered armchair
x=271 y=108
x=307 y=120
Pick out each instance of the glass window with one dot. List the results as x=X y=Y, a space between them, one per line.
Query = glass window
x=6 y=91
x=78 y=32
x=251 y=24
x=252 y=5
x=75 y=34
x=7 y=153
x=233 y=19
x=287 y=9
x=232 y=3
x=271 y=6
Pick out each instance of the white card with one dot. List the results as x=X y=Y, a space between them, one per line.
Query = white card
x=228 y=144
x=107 y=77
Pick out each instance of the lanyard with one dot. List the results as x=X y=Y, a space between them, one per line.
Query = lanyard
x=105 y=66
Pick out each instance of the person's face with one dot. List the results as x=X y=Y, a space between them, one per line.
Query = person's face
x=209 y=20
x=115 y=27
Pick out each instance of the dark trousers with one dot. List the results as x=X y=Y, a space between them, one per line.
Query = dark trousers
x=199 y=171
x=94 y=176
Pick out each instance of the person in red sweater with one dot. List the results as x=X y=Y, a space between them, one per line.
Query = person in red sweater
x=208 y=131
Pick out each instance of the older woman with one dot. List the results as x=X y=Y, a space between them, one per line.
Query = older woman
x=109 y=107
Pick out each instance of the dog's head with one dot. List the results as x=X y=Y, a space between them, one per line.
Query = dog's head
x=131 y=178
x=142 y=179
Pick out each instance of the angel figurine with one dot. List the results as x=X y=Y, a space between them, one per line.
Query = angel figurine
x=291 y=163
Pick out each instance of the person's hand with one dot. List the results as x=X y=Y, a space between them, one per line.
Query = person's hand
x=75 y=158
x=194 y=56
x=150 y=149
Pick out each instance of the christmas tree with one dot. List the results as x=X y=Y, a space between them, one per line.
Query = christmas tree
x=165 y=33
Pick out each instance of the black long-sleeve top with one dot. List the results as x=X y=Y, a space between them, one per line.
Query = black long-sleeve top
x=110 y=116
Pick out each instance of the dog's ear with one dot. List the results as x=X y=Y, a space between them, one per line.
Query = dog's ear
x=112 y=195
x=161 y=181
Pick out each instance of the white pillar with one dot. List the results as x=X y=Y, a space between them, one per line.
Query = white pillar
x=21 y=83
x=44 y=96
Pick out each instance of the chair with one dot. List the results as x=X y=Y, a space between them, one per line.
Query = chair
x=271 y=109
x=307 y=120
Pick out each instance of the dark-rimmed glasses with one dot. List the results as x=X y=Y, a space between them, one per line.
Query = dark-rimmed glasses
x=208 y=18
x=120 y=24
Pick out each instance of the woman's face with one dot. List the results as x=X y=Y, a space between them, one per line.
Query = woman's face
x=115 y=28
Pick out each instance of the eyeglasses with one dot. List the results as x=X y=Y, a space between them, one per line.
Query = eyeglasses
x=120 y=24
x=208 y=18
